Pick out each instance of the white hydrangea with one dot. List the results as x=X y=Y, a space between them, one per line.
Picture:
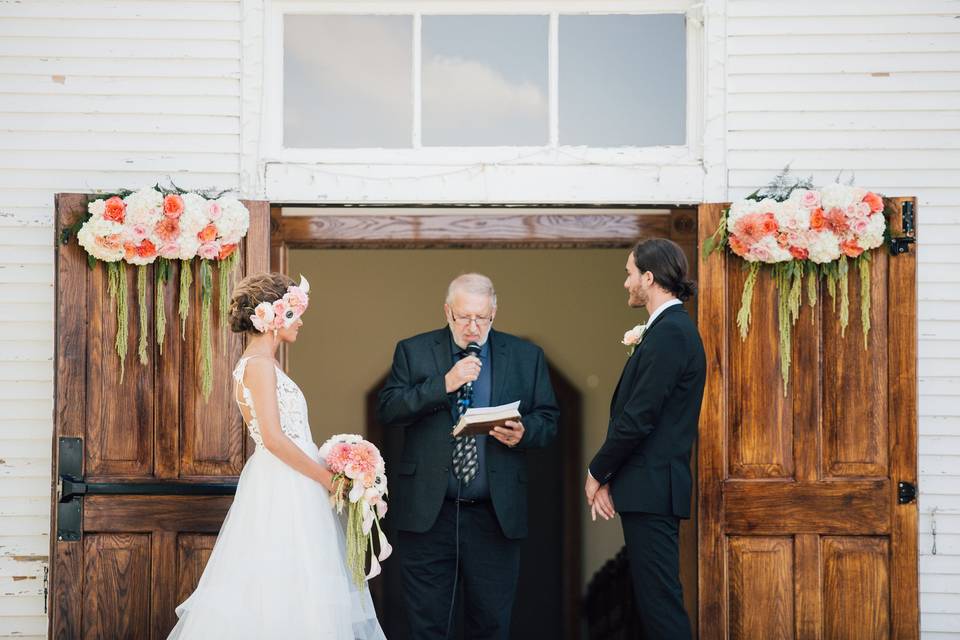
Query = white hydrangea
x=234 y=220
x=840 y=195
x=825 y=247
x=93 y=237
x=791 y=217
x=97 y=208
x=873 y=236
x=144 y=206
x=194 y=217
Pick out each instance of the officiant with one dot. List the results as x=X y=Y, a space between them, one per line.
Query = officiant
x=460 y=504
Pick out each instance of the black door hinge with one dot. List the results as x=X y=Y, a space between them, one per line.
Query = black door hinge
x=901 y=244
x=906 y=493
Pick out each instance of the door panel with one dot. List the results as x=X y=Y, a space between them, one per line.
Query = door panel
x=801 y=532
x=148 y=447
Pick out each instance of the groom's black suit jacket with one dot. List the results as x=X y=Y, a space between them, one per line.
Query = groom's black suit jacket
x=653 y=420
x=415 y=398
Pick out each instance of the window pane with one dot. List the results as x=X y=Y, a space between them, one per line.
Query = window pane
x=622 y=80
x=485 y=80
x=347 y=81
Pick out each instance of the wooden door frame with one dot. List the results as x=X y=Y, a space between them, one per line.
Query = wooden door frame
x=495 y=227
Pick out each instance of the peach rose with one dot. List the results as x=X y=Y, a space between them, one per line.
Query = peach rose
x=111 y=242
x=738 y=246
x=114 y=209
x=146 y=249
x=850 y=248
x=208 y=233
x=799 y=253
x=875 y=202
x=172 y=206
x=769 y=224
x=167 y=229
x=817 y=220
x=226 y=251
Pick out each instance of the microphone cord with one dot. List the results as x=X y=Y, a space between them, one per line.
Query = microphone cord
x=456 y=566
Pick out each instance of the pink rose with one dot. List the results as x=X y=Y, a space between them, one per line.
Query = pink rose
x=209 y=250
x=863 y=209
x=296 y=298
x=810 y=199
x=171 y=250
x=138 y=232
x=761 y=253
x=859 y=225
x=214 y=211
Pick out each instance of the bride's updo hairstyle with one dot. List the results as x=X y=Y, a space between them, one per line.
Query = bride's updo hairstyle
x=251 y=291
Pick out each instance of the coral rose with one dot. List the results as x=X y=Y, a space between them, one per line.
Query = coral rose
x=875 y=202
x=850 y=248
x=208 y=233
x=172 y=206
x=226 y=251
x=114 y=209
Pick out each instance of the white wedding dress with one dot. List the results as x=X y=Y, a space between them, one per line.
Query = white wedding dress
x=278 y=569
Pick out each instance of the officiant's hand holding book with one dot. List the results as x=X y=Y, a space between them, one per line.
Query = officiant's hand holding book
x=482 y=420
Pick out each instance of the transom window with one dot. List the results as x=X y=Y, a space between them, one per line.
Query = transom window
x=418 y=80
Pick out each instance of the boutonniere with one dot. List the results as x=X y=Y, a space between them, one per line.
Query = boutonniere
x=633 y=337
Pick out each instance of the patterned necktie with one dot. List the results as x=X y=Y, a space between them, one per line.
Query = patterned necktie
x=465 y=461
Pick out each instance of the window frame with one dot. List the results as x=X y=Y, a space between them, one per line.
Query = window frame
x=272 y=151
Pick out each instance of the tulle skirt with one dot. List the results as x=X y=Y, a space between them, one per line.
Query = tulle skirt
x=278 y=567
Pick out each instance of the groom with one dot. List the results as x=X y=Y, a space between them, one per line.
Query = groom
x=461 y=505
x=642 y=471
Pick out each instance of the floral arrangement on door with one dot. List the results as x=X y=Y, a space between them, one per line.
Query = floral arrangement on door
x=802 y=232
x=160 y=225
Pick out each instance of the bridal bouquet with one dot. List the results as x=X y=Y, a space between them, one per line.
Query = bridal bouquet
x=360 y=485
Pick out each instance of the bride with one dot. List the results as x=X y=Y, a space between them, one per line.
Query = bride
x=278 y=567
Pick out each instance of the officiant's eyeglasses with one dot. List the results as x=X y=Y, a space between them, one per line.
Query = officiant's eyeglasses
x=482 y=321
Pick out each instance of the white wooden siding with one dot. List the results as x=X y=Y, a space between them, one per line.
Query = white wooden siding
x=109 y=94
x=872 y=87
x=93 y=95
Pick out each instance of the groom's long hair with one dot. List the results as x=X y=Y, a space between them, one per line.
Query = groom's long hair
x=668 y=264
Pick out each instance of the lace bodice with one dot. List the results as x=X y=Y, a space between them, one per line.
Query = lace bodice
x=290 y=401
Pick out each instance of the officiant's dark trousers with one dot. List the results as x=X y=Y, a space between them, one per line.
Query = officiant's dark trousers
x=653 y=548
x=489 y=568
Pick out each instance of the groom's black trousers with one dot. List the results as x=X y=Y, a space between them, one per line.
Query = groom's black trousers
x=489 y=568
x=653 y=548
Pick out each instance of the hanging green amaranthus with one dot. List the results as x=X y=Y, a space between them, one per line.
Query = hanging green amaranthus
x=117 y=286
x=746 y=300
x=206 y=347
x=844 y=281
x=186 y=280
x=142 y=309
x=225 y=270
x=160 y=315
x=863 y=264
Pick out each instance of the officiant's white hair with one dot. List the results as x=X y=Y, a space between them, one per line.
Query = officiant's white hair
x=475 y=283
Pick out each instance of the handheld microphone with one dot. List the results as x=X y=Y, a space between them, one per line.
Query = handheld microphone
x=473 y=349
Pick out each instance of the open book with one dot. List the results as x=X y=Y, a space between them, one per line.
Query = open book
x=482 y=420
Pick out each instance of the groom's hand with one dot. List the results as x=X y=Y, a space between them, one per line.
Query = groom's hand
x=603 y=503
x=590 y=488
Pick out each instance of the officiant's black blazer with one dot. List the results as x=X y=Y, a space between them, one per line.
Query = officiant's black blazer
x=653 y=420
x=415 y=398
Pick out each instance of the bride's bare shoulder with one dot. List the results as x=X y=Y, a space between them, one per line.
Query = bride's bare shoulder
x=260 y=371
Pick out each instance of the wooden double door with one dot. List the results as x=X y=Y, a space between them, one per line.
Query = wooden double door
x=144 y=469
x=807 y=520
x=805 y=526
